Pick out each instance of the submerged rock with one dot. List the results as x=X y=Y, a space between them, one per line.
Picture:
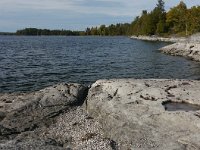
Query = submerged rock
x=133 y=114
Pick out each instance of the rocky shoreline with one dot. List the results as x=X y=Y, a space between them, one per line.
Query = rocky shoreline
x=156 y=38
x=162 y=39
x=111 y=114
x=187 y=47
x=189 y=50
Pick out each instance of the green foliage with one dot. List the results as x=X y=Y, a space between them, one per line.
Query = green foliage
x=161 y=27
x=7 y=33
x=35 y=31
x=111 y=30
x=193 y=20
x=177 y=18
x=161 y=6
x=150 y=23
x=178 y=21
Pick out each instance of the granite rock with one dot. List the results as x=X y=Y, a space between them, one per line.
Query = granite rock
x=162 y=39
x=24 y=112
x=52 y=118
x=189 y=50
x=133 y=113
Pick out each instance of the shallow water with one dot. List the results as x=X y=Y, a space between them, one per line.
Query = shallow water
x=31 y=63
x=174 y=106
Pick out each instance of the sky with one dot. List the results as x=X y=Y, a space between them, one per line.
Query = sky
x=73 y=14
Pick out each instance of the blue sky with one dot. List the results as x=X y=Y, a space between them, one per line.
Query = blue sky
x=73 y=14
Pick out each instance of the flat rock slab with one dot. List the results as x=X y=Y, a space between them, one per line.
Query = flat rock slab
x=133 y=113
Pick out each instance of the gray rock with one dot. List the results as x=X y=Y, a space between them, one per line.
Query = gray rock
x=31 y=143
x=188 y=47
x=162 y=39
x=123 y=114
x=52 y=118
x=71 y=130
x=188 y=50
x=25 y=112
x=76 y=130
x=133 y=113
x=195 y=38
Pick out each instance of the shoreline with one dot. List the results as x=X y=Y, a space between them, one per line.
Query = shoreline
x=188 y=50
x=162 y=39
x=186 y=47
x=78 y=117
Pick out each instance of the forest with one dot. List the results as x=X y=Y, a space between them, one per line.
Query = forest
x=38 y=32
x=178 y=21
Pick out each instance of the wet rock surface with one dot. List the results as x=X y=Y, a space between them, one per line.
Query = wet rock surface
x=180 y=106
x=52 y=118
x=132 y=113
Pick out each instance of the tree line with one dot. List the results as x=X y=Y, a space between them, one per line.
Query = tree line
x=112 y=30
x=7 y=33
x=179 y=20
x=35 y=31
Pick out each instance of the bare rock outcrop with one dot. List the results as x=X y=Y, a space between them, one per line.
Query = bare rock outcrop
x=125 y=114
x=162 y=39
x=52 y=118
x=24 y=112
x=189 y=50
x=188 y=47
x=148 y=114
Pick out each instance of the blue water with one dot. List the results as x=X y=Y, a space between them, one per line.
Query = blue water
x=32 y=63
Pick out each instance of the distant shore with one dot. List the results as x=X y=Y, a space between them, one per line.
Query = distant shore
x=157 y=38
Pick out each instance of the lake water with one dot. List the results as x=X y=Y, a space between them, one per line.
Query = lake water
x=31 y=63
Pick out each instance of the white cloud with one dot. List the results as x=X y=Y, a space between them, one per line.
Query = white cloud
x=108 y=7
x=72 y=4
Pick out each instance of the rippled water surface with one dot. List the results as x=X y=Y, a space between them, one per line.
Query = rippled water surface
x=31 y=63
